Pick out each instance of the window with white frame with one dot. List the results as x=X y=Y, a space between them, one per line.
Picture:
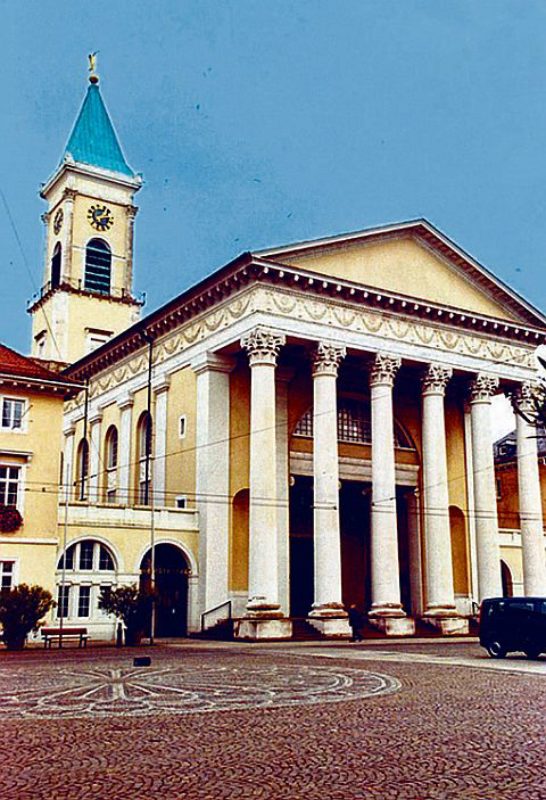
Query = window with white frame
x=84 y=601
x=10 y=485
x=63 y=601
x=144 y=459
x=111 y=464
x=13 y=413
x=181 y=501
x=7 y=574
x=86 y=568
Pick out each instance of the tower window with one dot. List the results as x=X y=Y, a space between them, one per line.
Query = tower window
x=98 y=266
x=56 y=266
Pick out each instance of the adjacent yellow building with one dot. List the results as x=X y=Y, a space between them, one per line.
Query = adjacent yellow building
x=31 y=415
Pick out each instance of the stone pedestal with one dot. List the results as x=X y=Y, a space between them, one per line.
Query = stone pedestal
x=447 y=626
x=263 y=628
x=393 y=626
x=333 y=627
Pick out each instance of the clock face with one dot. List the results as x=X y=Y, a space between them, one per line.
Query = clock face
x=58 y=221
x=100 y=217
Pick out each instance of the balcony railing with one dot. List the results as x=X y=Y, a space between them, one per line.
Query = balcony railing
x=78 y=286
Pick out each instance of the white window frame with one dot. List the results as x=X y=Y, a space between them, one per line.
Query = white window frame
x=182 y=426
x=21 y=483
x=75 y=577
x=14 y=572
x=24 y=415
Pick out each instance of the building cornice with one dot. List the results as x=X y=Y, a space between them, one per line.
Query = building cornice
x=248 y=269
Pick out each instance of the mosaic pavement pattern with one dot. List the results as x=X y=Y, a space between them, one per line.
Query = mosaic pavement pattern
x=111 y=689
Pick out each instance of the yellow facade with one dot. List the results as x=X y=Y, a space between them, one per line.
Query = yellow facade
x=33 y=450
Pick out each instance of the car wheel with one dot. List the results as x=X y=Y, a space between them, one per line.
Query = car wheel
x=532 y=654
x=496 y=650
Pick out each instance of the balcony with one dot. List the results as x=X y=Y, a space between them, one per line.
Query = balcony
x=102 y=515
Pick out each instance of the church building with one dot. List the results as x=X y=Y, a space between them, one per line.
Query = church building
x=306 y=428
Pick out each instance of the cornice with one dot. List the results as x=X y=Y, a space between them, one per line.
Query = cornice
x=247 y=271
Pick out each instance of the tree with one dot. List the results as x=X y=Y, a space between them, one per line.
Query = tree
x=131 y=605
x=21 y=610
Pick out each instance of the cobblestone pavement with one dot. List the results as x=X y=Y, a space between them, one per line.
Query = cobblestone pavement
x=400 y=729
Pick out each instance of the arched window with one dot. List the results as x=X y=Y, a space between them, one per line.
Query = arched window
x=82 y=470
x=353 y=425
x=56 y=266
x=111 y=463
x=144 y=452
x=98 y=266
x=87 y=567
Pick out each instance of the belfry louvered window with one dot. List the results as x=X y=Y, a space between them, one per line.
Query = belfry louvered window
x=98 y=266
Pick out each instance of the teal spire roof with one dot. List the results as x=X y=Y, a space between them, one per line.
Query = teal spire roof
x=93 y=139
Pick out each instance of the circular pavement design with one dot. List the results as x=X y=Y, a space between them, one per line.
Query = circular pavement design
x=114 y=690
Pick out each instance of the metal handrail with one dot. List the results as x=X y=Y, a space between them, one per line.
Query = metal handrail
x=227 y=603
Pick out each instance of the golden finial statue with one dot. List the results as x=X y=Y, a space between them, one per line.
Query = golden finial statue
x=93 y=77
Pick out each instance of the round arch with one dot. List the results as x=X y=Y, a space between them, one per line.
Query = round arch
x=507 y=580
x=118 y=560
x=171 y=587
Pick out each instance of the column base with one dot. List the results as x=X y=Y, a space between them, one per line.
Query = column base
x=330 y=619
x=448 y=624
x=333 y=627
x=262 y=628
x=393 y=626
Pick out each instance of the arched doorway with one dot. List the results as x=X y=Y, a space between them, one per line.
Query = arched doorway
x=171 y=584
x=506 y=578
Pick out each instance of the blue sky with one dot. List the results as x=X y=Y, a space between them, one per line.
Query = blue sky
x=261 y=123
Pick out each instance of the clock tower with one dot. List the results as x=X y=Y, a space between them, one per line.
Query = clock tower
x=86 y=297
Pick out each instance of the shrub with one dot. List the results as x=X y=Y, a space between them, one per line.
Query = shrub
x=21 y=610
x=131 y=605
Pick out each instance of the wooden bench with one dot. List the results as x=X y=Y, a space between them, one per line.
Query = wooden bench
x=50 y=634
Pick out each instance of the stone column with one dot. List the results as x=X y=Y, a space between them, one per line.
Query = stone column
x=440 y=605
x=482 y=388
x=212 y=477
x=386 y=610
x=327 y=613
x=95 y=459
x=530 y=502
x=124 y=494
x=264 y=619
x=283 y=515
x=161 y=393
x=68 y=464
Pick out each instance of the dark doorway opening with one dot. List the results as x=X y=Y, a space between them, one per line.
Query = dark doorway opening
x=301 y=547
x=355 y=501
x=506 y=578
x=171 y=584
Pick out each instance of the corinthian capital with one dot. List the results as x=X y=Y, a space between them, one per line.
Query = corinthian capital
x=327 y=358
x=482 y=388
x=263 y=345
x=435 y=379
x=527 y=400
x=383 y=369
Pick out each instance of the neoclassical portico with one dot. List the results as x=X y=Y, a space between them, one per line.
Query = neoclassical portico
x=327 y=613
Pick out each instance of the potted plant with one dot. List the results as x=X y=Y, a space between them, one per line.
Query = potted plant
x=21 y=610
x=131 y=605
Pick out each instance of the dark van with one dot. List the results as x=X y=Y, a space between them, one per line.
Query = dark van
x=513 y=623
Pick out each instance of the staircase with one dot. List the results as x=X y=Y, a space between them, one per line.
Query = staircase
x=303 y=631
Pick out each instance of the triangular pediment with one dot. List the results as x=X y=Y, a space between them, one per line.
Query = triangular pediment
x=414 y=260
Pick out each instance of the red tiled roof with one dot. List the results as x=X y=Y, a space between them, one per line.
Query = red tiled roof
x=13 y=363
